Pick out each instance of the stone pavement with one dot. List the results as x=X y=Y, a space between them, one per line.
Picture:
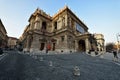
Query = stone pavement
x=19 y=66
x=91 y=68
x=2 y=56
x=109 y=56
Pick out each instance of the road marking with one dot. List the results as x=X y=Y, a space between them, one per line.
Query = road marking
x=2 y=56
x=117 y=63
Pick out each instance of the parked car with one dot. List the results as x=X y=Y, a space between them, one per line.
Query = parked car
x=1 y=51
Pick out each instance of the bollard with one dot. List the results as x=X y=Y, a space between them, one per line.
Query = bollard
x=76 y=71
x=101 y=56
x=30 y=54
x=35 y=57
x=50 y=63
x=41 y=58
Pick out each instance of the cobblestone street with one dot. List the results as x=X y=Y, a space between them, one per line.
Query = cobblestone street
x=110 y=56
x=19 y=66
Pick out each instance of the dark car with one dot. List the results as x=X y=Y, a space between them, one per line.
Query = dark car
x=1 y=51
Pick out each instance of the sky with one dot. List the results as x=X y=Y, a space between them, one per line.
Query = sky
x=100 y=16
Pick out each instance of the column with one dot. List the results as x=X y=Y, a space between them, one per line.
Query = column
x=87 y=46
x=35 y=46
x=37 y=23
x=76 y=45
x=31 y=24
x=27 y=44
x=66 y=20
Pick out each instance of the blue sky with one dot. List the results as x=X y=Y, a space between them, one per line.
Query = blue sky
x=101 y=16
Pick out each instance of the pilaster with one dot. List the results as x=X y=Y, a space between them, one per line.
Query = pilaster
x=76 y=45
x=35 y=44
x=87 y=45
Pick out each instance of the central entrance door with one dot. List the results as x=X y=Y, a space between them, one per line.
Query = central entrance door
x=81 y=45
x=53 y=46
x=42 y=46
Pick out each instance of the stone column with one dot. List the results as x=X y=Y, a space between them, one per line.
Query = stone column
x=35 y=44
x=37 y=23
x=63 y=22
x=32 y=24
x=66 y=19
x=65 y=44
x=66 y=40
x=87 y=45
x=27 y=44
x=76 y=45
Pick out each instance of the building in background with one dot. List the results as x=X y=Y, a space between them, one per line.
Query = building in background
x=3 y=35
x=100 y=42
x=12 y=42
x=117 y=46
x=63 y=32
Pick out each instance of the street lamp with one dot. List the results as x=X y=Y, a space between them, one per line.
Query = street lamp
x=118 y=35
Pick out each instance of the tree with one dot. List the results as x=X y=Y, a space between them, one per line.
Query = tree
x=109 y=47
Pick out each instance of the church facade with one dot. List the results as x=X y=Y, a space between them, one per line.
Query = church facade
x=63 y=32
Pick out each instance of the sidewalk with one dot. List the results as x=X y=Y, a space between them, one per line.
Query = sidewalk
x=110 y=56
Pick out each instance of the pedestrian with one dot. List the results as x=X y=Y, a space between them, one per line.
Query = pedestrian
x=1 y=51
x=46 y=50
x=115 y=55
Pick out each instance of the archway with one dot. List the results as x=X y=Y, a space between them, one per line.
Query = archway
x=42 y=46
x=53 y=47
x=81 y=45
x=53 y=44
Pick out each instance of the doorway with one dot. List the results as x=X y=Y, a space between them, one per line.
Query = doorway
x=42 y=46
x=53 y=46
x=81 y=45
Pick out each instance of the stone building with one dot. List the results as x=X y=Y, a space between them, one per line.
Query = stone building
x=63 y=32
x=12 y=42
x=100 y=42
x=3 y=35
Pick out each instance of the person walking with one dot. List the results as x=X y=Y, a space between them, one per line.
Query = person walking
x=115 y=55
x=1 y=51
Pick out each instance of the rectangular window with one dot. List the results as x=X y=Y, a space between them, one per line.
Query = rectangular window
x=55 y=25
x=62 y=38
x=79 y=28
x=42 y=46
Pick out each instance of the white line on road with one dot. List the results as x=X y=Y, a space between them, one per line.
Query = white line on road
x=2 y=56
x=117 y=63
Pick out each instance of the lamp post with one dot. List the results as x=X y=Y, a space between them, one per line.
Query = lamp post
x=117 y=42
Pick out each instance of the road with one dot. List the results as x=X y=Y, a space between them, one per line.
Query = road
x=19 y=66
x=110 y=56
x=16 y=66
